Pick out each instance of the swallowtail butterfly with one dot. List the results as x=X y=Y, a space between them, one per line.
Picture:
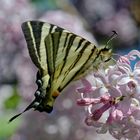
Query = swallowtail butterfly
x=61 y=57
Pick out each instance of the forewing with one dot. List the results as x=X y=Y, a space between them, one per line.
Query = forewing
x=68 y=57
x=35 y=33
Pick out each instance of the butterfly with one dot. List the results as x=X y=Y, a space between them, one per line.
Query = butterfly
x=60 y=57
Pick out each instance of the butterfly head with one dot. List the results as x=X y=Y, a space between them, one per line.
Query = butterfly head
x=105 y=54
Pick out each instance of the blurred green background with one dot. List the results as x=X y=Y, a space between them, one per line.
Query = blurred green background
x=91 y=19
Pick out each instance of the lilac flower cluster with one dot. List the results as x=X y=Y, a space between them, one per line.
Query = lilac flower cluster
x=12 y=14
x=112 y=98
x=15 y=65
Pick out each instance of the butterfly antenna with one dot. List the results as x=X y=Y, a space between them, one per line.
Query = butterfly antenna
x=114 y=35
x=26 y=109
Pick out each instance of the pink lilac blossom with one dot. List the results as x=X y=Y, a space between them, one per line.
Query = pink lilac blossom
x=113 y=98
x=12 y=51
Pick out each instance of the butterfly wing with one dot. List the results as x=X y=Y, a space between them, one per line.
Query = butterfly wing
x=63 y=56
x=35 y=33
x=68 y=55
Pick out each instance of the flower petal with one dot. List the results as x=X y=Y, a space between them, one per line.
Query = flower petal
x=113 y=76
x=137 y=65
x=137 y=92
x=132 y=53
x=116 y=115
x=103 y=91
x=124 y=105
x=85 y=90
x=114 y=92
x=88 y=101
x=124 y=59
x=123 y=79
x=136 y=112
x=86 y=83
x=137 y=74
x=102 y=77
x=99 y=92
x=124 y=68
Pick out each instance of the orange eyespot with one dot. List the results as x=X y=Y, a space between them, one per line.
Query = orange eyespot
x=55 y=94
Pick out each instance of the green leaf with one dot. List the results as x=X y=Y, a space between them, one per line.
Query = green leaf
x=13 y=101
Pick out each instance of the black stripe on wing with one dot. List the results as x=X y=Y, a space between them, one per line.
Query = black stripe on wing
x=32 y=35
x=36 y=31
x=68 y=47
x=52 y=45
x=66 y=39
x=87 y=43
x=56 y=41
x=78 y=71
x=80 y=43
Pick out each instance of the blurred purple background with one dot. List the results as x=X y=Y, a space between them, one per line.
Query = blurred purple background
x=92 y=19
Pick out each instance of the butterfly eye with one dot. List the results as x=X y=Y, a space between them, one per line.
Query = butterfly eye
x=39 y=83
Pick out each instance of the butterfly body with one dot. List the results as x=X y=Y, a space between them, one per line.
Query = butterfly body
x=61 y=57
